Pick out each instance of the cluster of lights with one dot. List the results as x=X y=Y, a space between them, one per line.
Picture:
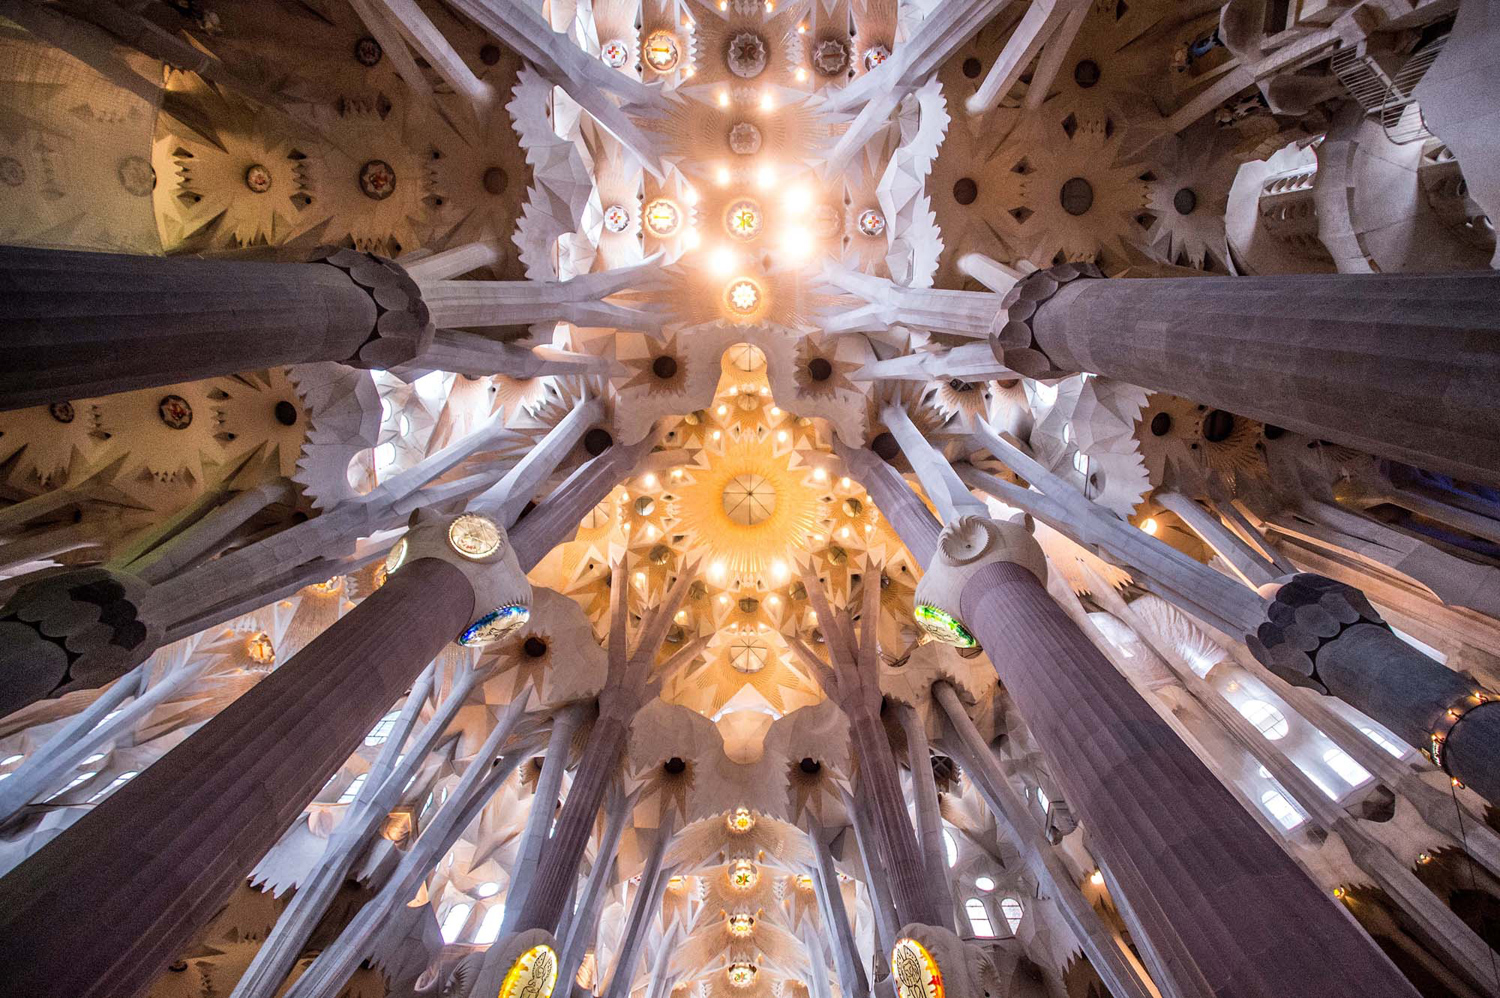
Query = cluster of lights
x=741 y=924
x=741 y=820
x=741 y=975
x=662 y=217
x=943 y=626
x=1448 y=720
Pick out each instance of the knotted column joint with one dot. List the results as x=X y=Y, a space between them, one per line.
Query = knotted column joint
x=965 y=546
x=403 y=327
x=1013 y=336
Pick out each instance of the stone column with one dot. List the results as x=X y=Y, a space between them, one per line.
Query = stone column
x=642 y=912
x=1325 y=635
x=157 y=859
x=839 y=933
x=565 y=722
x=929 y=820
x=585 y=921
x=81 y=325
x=1400 y=365
x=1219 y=908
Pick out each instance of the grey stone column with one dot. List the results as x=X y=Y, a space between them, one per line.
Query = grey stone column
x=1220 y=907
x=1325 y=635
x=565 y=722
x=929 y=820
x=153 y=863
x=645 y=908
x=1400 y=365
x=78 y=325
x=585 y=921
x=839 y=932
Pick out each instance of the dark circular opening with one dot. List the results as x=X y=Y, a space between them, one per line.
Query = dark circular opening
x=367 y=51
x=1086 y=73
x=1273 y=432
x=675 y=766
x=597 y=441
x=495 y=180
x=489 y=54
x=810 y=766
x=1077 y=196
x=664 y=367
x=972 y=67
x=885 y=447
x=820 y=369
x=1217 y=426
x=1161 y=424
x=178 y=967
x=286 y=413
x=534 y=647
x=1185 y=201
x=965 y=190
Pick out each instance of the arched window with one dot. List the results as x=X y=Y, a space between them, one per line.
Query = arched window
x=1281 y=809
x=1394 y=748
x=1349 y=771
x=352 y=790
x=1267 y=719
x=1042 y=801
x=1011 y=909
x=114 y=785
x=382 y=729
x=950 y=846
x=455 y=920
x=979 y=919
x=79 y=779
x=489 y=929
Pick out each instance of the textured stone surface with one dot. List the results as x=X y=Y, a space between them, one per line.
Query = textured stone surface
x=1223 y=909
x=74 y=630
x=153 y=863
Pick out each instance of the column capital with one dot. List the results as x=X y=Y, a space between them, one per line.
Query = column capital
x=1305 y=614
x=479 y=547
x=76 y=629
x=965 y=546
x=403 y=327
x=1013 y=336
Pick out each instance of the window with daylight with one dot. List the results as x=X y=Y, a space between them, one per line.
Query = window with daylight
x=979 y=919
x=1281 y=809
x=1349 y=771
x=1394 y=748
x=950 y=846
x=1267 y=719
x=352 y=790
x=489 y=929
x=80 y=778
x=984 y=884
x=382 y=729
x=1042 y=801
x=455 y=920
x=1011 y=909
x=114 y=785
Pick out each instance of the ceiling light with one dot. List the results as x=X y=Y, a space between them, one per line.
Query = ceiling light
x=723 y=98
x=800 y=74
x=765 y=176
x=722 y=260
x=1149 y=525
x=798 y=199
x=721 y=176
x=691 y=239
x=767 y=101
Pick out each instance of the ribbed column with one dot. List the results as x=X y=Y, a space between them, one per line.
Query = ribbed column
x=929 y=818
x=79 y=325
x=156 y=860
x=558 y=867
x=911 y=888
x=565 y=722
x=556 y=518
x=1221 y=907
x=1400 y=365
x=908 y=515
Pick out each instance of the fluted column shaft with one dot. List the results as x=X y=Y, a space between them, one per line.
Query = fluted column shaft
x=154 y=862
x=929 y=819
x=1400 y=365
x=78 y=325
x=1223 y=910
x=565 y=722
x=911 y=890
x=556 y=518
x=558 y=867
